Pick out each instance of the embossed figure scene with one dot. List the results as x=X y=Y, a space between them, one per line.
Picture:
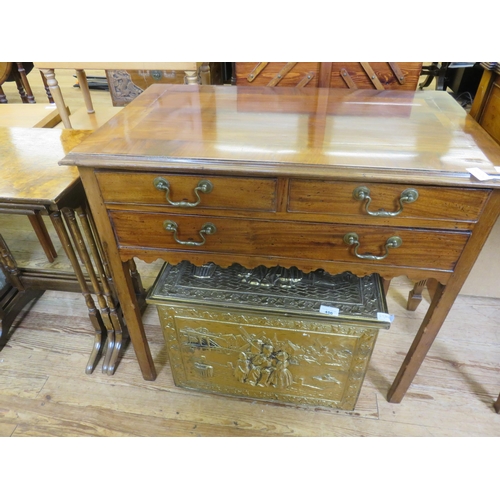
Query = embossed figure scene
x=272 y=363
x=260 y=333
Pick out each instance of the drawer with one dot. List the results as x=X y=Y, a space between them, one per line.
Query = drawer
x=429 y=249
x=431 y=203
x=225 y=193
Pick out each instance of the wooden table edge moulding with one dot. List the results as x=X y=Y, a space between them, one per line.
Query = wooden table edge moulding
x=298 y=177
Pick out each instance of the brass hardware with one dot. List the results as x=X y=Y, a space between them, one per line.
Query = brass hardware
x=204 y=186
x=207 y=228
x=353 y=239
x=363 y=193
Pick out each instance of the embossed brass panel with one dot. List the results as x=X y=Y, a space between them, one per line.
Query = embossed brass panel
x=260 y=333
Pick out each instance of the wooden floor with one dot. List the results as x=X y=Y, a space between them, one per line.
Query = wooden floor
x=44 y=390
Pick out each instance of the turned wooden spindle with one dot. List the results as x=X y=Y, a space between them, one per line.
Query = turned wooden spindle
x=95 y=317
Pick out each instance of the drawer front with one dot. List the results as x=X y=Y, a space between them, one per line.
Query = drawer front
x=427 y=249
x=346 y=198
x=225 y=193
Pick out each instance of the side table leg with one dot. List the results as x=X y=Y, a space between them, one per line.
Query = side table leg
x=46 y=87
x=43 y=236
x=205 y=77
x=81 y=248
x=57 y=96
x=191 y=78
x=140 y=292
x=121 y=276
x=84 y=87
x=26 y=83
x=436 y=314
x=95 y=317
x=415 y=295
x=19 y=85
x=113 y=318
x=442 y=301
x=3 y=98
x=497 y=405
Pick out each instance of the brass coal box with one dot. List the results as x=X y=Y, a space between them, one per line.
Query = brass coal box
x=274 y=334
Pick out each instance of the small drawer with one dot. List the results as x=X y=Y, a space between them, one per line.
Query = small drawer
x=396 y=200
x=234 y=193
x=427 y=249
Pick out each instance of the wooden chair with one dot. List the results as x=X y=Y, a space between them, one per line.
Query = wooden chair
x=18 y=72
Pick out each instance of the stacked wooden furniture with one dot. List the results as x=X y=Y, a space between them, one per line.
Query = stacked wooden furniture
x=351 y=75
x=32 y=182
x=341 y=180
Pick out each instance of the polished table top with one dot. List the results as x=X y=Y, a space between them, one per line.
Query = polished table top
x=300 y=132
x=29 y=170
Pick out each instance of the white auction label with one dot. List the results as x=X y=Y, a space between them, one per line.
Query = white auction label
x=331 y=311
x=479 y=174
x=385 y=317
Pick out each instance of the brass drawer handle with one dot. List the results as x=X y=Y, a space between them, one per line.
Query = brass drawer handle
x=207 y=228
x=204 y=186
x=363 y=193
x=353 y=239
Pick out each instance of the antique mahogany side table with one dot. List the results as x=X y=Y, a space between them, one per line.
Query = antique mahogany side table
x=32 y=183
x=364 y=181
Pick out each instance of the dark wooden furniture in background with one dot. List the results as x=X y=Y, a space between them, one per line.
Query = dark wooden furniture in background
x=13 y=294
x=352 y=75
x=284 y=176
x=486 y=106
x=31 y=181
x=18 y=72
x=460 y=77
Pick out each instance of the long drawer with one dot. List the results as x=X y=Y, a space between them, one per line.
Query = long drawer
x=238 y=193
x=415 y=202
x=428 y=249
